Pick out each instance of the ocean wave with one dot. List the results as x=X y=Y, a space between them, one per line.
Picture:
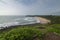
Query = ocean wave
x=19 y=21
x=30 y=19
x=9 y=24
x=4 y=25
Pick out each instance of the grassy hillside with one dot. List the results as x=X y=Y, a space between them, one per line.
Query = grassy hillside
x=30 y=32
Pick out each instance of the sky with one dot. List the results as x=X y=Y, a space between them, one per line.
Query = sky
x=29 y=7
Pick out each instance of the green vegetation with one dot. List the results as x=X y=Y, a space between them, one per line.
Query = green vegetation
x=54 y=19
x=30 y=32
x=23 y=34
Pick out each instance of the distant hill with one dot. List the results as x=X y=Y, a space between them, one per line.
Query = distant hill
x=56 y=13
x=55 y=19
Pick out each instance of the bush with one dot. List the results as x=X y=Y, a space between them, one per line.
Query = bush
x=54 y=30
x=23 y=34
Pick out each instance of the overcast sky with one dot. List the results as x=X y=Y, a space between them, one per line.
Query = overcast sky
x=29 y=7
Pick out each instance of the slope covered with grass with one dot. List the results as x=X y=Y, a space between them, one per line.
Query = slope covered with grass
x=30 y=32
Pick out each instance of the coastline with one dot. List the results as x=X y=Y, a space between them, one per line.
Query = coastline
x=7 y=26
x=16 y=26
x=42 y=20
x=39 y=20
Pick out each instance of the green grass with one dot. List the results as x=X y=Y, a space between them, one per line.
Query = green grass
x=29 y=32
x=23 y=34
x=54 y=28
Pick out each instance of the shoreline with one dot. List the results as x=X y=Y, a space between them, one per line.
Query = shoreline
x=39 y=20
x=16 y=26
x=43 y=20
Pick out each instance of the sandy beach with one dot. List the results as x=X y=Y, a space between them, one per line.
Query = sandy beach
x=43 y=20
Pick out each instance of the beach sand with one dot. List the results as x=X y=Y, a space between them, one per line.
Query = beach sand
x=43 y=20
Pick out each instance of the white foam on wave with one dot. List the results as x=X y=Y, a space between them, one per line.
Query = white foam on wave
x=9 y=24
x=4 y=25
x=29 y=19
x=17 y=19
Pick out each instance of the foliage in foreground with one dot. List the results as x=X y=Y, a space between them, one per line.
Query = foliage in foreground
x=23 y=34
x=54 y=28
x=30 y=32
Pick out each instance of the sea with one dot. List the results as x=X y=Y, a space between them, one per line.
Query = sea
x=7 y=21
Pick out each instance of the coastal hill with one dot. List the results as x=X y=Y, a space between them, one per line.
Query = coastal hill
x=55 y=19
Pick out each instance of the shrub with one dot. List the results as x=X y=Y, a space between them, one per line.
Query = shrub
x=54 y=30
x=23 y=34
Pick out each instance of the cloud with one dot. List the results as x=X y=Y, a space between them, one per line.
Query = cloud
x=9 y=7
x=26 y=2
x=45 y=7
x=29 y=7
